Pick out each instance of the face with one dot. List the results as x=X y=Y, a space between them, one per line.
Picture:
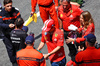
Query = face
x=52 y=29
x=8 y=7
x=66 y=6
x=81 y=19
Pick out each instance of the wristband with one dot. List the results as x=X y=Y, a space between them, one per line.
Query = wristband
x=60 y=28
x=49 y=54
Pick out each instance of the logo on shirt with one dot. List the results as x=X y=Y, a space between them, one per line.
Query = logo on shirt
x=71 y=16
x=45 y=33
x=14 y=14
x=71 y=11
x=56 y=35
x=45 y=38
x=55 y=39
x=61 y=15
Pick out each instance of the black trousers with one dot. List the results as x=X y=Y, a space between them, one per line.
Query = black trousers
x=72 y=48
x=9 y=48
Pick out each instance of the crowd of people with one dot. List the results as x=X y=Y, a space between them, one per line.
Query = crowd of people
x=81 y=41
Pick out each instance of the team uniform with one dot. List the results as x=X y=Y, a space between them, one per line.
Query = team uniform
x=84 y=58
x=70 y=17
x=90 y=29
x=18 y=39
x=46 y=8
x=52 y=42
x=7 y=18
x=30 y=57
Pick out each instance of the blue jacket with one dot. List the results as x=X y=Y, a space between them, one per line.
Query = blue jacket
x=7 y=18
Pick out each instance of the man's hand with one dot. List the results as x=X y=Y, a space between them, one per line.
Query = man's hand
x=79 y=49
x=32 y=13
x=69 y=40
x=11 y=25
x=46 y=56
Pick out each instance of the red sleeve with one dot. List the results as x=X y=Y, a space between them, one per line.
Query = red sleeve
x=78 y=40
x=33 y=4
x=60 y=13
x=79 y=30
x=78 y=58
x=42 y=39
x=90 y=29
x=60 y=41
x=56 y=2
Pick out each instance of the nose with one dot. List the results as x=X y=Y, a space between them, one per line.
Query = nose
x=10 y=6
x=64 y=6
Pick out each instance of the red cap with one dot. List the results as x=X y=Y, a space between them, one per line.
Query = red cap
x=48 y=25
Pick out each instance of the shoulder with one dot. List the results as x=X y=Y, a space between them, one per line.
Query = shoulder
x=20 y=51
x=2 y=12
x=59 y=31
x=38 y=54
x=15 y=9
x=76 y=8
x=60 y=8
x=82 y=53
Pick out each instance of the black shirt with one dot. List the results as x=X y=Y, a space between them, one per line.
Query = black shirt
x=18 y=39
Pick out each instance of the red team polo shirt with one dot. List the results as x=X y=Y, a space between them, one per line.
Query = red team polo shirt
x=88 y=57
x=57 y=40
x=72 y=17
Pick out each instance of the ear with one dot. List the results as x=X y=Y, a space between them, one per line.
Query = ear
x=25 y=43
x=4 y=5
x=86 y=43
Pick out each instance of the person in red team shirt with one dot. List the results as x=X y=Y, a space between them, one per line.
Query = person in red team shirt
x=47 y=8
x=90 y=56
x=69 y=14
x=54 y=40
x=87 y=26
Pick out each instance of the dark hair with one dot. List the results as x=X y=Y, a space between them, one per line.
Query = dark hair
x=19 y=22
x=66 y=0
x=7 y=1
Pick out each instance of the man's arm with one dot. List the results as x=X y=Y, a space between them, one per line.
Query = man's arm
x=52 y=52
x=60 y=24
x=41 y=45
x=60 y=15
x=33 y=6
x=3 y=25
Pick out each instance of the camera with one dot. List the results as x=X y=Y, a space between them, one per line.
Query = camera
x=97 y=45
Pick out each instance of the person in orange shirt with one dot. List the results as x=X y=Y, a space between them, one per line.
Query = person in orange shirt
x=47 y=8
x=30 y=56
